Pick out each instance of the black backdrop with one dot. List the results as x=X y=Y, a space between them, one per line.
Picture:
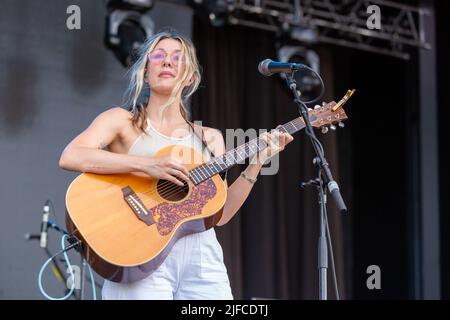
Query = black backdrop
x=443 y=70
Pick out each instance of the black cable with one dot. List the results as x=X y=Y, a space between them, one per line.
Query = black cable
x=330 y=245
x=314 y=139
x=53 y=211
x=322 y=85
x=73 y=245
x=304 y=103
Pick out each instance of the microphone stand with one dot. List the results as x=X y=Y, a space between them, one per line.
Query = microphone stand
x=324 y=181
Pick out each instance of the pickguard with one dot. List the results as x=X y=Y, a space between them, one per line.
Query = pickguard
x=168 y=214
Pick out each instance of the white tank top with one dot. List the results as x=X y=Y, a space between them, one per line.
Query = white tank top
x=150 y=142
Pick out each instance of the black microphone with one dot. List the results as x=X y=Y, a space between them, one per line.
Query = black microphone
x=44 y=225
x=29 y=236
x=268 y=67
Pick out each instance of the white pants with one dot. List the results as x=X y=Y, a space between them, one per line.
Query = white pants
x=194 y=269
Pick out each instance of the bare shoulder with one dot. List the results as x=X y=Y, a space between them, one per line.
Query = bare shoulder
x=116 y=114
x=113 y=118
x=106 y=128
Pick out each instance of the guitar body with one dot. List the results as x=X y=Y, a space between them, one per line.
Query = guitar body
x=129 y=222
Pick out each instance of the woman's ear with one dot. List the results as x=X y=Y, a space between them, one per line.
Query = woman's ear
x=192 y=79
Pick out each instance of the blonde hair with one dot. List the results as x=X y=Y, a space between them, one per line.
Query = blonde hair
x=137 y=71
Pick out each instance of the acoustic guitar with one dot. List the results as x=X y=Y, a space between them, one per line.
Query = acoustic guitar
x=128 y=223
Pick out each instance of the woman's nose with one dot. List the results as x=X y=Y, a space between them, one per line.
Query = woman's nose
x=166 y=61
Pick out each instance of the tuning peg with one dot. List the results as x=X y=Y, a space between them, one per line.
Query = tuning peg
x=323 y=103
x=309 y=109
x=316 y=106
x=332 y=127
x=341 y=124
x=324 y=130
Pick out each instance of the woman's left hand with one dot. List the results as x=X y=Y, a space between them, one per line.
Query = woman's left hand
x=276 y=141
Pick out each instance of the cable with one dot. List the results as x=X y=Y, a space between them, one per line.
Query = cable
x=322 y=85
x=66 y=258
x=310 y=134
x=64 y=251
x=94 y=293
x=53 y=211
x=330 y=245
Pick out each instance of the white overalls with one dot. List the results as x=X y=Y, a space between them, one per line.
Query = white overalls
x=194 y=268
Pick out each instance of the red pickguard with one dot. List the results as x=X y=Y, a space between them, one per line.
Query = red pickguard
x=171 y=213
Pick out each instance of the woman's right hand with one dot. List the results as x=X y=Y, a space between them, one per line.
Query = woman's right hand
x=166 y=168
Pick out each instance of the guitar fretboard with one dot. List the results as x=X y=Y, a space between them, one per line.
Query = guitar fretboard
x=239 y=154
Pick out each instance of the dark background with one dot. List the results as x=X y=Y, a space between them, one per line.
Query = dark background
x=54 y=81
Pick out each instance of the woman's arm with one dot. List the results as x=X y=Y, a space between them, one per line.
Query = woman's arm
x=241 y=187
x=86 y=152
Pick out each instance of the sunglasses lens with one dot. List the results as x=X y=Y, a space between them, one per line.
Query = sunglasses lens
x=157 y=57
x=160 y=56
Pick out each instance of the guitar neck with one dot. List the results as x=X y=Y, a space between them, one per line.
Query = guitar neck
x=238 y=155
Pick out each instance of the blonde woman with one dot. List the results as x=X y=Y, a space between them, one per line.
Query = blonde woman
x=120 y=141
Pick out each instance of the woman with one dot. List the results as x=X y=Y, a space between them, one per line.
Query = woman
x=120 y=141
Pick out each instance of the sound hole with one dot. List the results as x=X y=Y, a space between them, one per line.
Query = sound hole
x=172 y=192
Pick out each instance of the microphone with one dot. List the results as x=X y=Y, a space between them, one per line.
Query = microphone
x=29 y=236
x=44 y=225
x=268 y=67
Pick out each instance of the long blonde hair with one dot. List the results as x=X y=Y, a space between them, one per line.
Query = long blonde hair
x=137 y=71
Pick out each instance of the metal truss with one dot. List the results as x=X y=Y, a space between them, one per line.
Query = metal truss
x=341 y=22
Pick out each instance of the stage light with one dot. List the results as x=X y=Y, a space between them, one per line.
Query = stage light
x=307 y=83
x=304 y=35
x=127 y=27
x=216 y=11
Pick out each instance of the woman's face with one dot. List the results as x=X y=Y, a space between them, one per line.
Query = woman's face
x=165 y=66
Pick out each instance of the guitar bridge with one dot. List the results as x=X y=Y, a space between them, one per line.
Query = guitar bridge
x=135 y=203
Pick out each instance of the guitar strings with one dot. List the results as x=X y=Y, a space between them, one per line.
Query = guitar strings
x=173 y=189
x=168 y=185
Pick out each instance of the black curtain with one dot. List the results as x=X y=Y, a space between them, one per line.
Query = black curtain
x=270 y=247
x=442 y=10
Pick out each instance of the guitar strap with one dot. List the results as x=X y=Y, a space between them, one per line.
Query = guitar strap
x=223 y=174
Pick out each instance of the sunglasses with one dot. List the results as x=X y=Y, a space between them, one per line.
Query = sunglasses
x=159 y=56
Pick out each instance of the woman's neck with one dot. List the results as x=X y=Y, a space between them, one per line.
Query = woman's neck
x=164 y=116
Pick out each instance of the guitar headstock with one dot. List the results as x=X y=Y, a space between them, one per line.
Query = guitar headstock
x=329 y=114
